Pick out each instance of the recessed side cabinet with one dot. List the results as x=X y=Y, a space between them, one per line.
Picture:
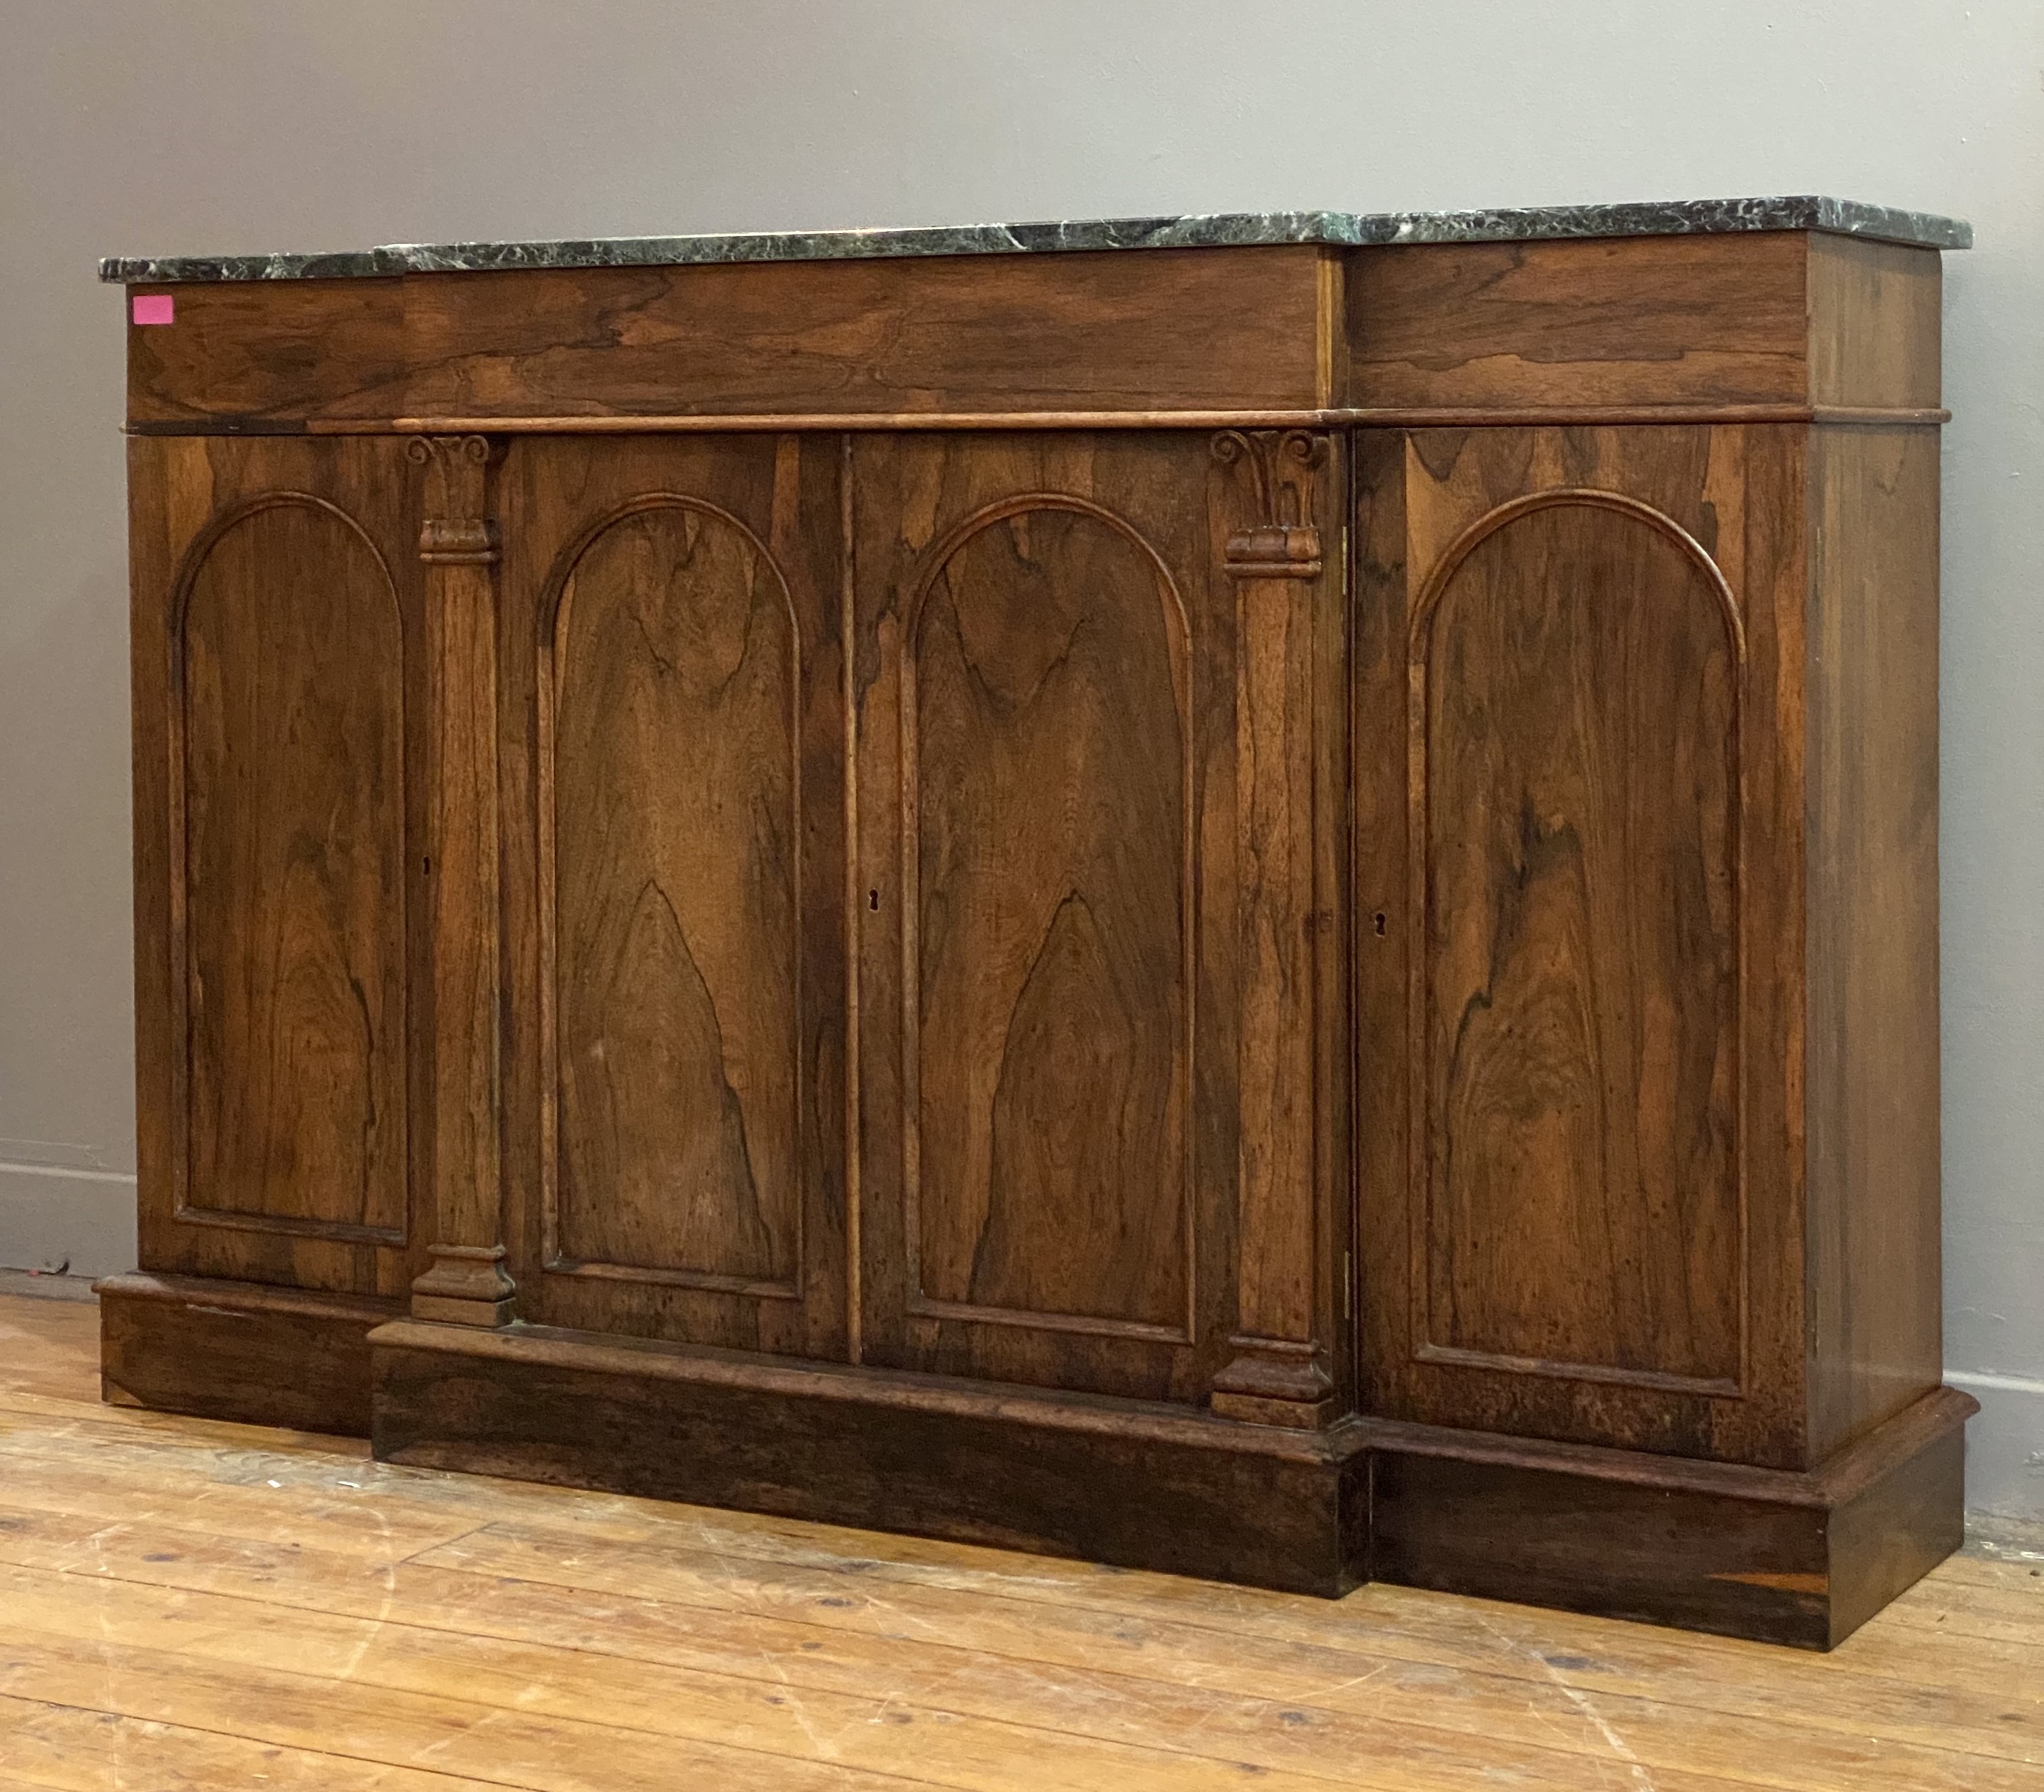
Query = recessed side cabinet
x=1587 y=1215
x=1268 y=912
x=281 y=765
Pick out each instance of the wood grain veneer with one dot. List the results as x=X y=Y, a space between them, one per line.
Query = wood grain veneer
x=1227 y=329
x=673 y=752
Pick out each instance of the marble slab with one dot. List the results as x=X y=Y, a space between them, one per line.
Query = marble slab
x=1674 y=217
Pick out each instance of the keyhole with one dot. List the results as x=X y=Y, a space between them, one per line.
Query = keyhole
x=1380 y=924
x=873 y=900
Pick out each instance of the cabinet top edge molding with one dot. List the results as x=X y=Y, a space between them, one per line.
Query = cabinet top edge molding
x=1678 y=218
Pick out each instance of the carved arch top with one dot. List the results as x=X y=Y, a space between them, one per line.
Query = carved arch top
x=945 y=549
x=1565 y=1010
x=671 y=988
x=552 y=622
x=217 y=527
x=1585 y=497
x=289 y=1109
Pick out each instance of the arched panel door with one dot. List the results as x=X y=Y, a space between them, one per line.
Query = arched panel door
x=670 y=847
x=275 y=628
x=1047 y=944
x=1571 y=861
x=1044 y=681
x=676 y=1085
x=1576 y=677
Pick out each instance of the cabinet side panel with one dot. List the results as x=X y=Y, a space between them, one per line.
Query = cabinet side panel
x=1874 y=322
x=1871 y=804
x=155 y=471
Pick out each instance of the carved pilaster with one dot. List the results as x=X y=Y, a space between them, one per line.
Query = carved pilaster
x=467 y=1283
x=1278 y=1374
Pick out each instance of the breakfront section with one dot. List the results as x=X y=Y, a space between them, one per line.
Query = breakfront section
x=1099 y=690
x=1265 y=908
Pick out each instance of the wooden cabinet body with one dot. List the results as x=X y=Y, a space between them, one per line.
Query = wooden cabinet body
x=1269 y=912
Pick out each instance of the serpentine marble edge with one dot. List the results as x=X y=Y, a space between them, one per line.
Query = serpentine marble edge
x=1666 y=218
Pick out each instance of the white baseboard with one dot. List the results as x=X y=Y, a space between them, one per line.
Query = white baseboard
x=2005 y=1445
x=82 y=1217
x=26 y=1284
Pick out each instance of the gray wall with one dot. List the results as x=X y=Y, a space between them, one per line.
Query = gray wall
x=194 y=125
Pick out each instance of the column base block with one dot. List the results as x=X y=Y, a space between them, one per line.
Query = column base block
x=451 y=1311
x=1256 y=1409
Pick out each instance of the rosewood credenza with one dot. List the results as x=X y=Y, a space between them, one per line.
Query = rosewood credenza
x=1250 y=896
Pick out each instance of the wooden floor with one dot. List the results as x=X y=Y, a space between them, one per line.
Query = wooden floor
x=188 y=1606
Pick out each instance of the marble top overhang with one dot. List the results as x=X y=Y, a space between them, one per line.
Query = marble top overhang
x=1678 y=218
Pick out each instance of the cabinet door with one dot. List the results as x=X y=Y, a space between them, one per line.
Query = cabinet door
x=278 y=813
x=1048 y=876
x=1575 y=851
x=672 y=759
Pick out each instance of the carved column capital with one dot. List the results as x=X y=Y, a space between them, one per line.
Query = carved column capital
x=1283 y=540
x=456 y=531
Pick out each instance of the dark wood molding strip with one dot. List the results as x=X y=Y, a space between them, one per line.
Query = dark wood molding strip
x=1385 y=417
x=1878 y=417
x=1620 y=416
x=835 y=422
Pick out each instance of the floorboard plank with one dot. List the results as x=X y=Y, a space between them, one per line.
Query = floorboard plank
x=361 y=1721
x=71 y=1748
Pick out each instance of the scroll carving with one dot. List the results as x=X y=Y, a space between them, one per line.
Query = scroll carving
x=1285 y=543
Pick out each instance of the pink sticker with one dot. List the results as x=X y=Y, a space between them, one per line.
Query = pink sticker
x=153 y=308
